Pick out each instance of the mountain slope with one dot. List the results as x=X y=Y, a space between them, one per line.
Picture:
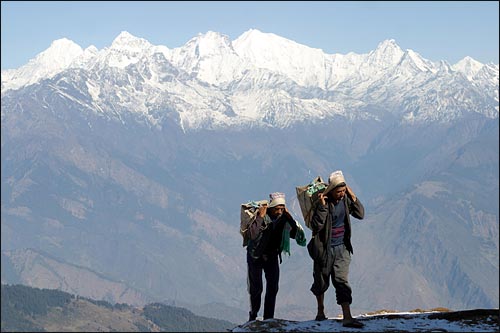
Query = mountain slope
x=129 y=166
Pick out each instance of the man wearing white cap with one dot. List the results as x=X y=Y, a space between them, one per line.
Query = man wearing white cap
x=264 y=247
x=331 y=223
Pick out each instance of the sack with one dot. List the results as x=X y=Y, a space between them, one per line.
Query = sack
x=316 y=249
x=248 y=214
x=308 y=198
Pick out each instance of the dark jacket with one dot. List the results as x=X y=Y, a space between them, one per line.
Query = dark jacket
x=322 y=225
x=266 y=236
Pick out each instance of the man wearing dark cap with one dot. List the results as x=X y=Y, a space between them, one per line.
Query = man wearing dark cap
x=331 y=223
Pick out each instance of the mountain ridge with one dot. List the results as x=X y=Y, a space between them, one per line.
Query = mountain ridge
x=223 y=65
x=134 y=166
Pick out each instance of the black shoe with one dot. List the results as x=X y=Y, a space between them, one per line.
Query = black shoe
x=252 y=316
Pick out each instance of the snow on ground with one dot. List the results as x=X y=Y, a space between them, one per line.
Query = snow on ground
x=481 y=320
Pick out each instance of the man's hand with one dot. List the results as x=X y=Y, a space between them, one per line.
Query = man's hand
x=351 y=194
x=321 y=198
x=262 y=210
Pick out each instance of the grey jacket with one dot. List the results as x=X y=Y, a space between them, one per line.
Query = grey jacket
x=321 y=224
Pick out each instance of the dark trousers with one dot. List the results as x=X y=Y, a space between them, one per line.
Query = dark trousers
x=271 y=269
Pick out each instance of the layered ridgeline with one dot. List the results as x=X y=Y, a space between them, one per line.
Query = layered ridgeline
x=123 y=170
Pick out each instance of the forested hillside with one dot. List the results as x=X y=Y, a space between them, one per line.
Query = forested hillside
x=26 y=309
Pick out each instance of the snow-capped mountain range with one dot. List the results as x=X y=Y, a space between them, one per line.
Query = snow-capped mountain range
x=123 y=170
x=261 y=79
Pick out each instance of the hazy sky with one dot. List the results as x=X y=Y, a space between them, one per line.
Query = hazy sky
x=437 y=30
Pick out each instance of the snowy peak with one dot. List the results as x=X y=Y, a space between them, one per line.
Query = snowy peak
x=61 y=50
x=58 y=56
x=250 y=37
x=212 y=43
x=91 y=50
x=61 y=53
x=388 y=45
x=468 y=66
x=204 y=46
x=126 y=41
x=302 y=64
x=387 y=54
x=223 y=80
x=412 y=60
x=210 y=57
x=266 y=49
x=126 y=49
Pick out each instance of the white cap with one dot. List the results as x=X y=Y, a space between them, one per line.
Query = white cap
x=276 y=198
x=336 y=178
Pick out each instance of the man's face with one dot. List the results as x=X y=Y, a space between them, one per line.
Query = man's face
x=276 y=211
x=338 y=193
